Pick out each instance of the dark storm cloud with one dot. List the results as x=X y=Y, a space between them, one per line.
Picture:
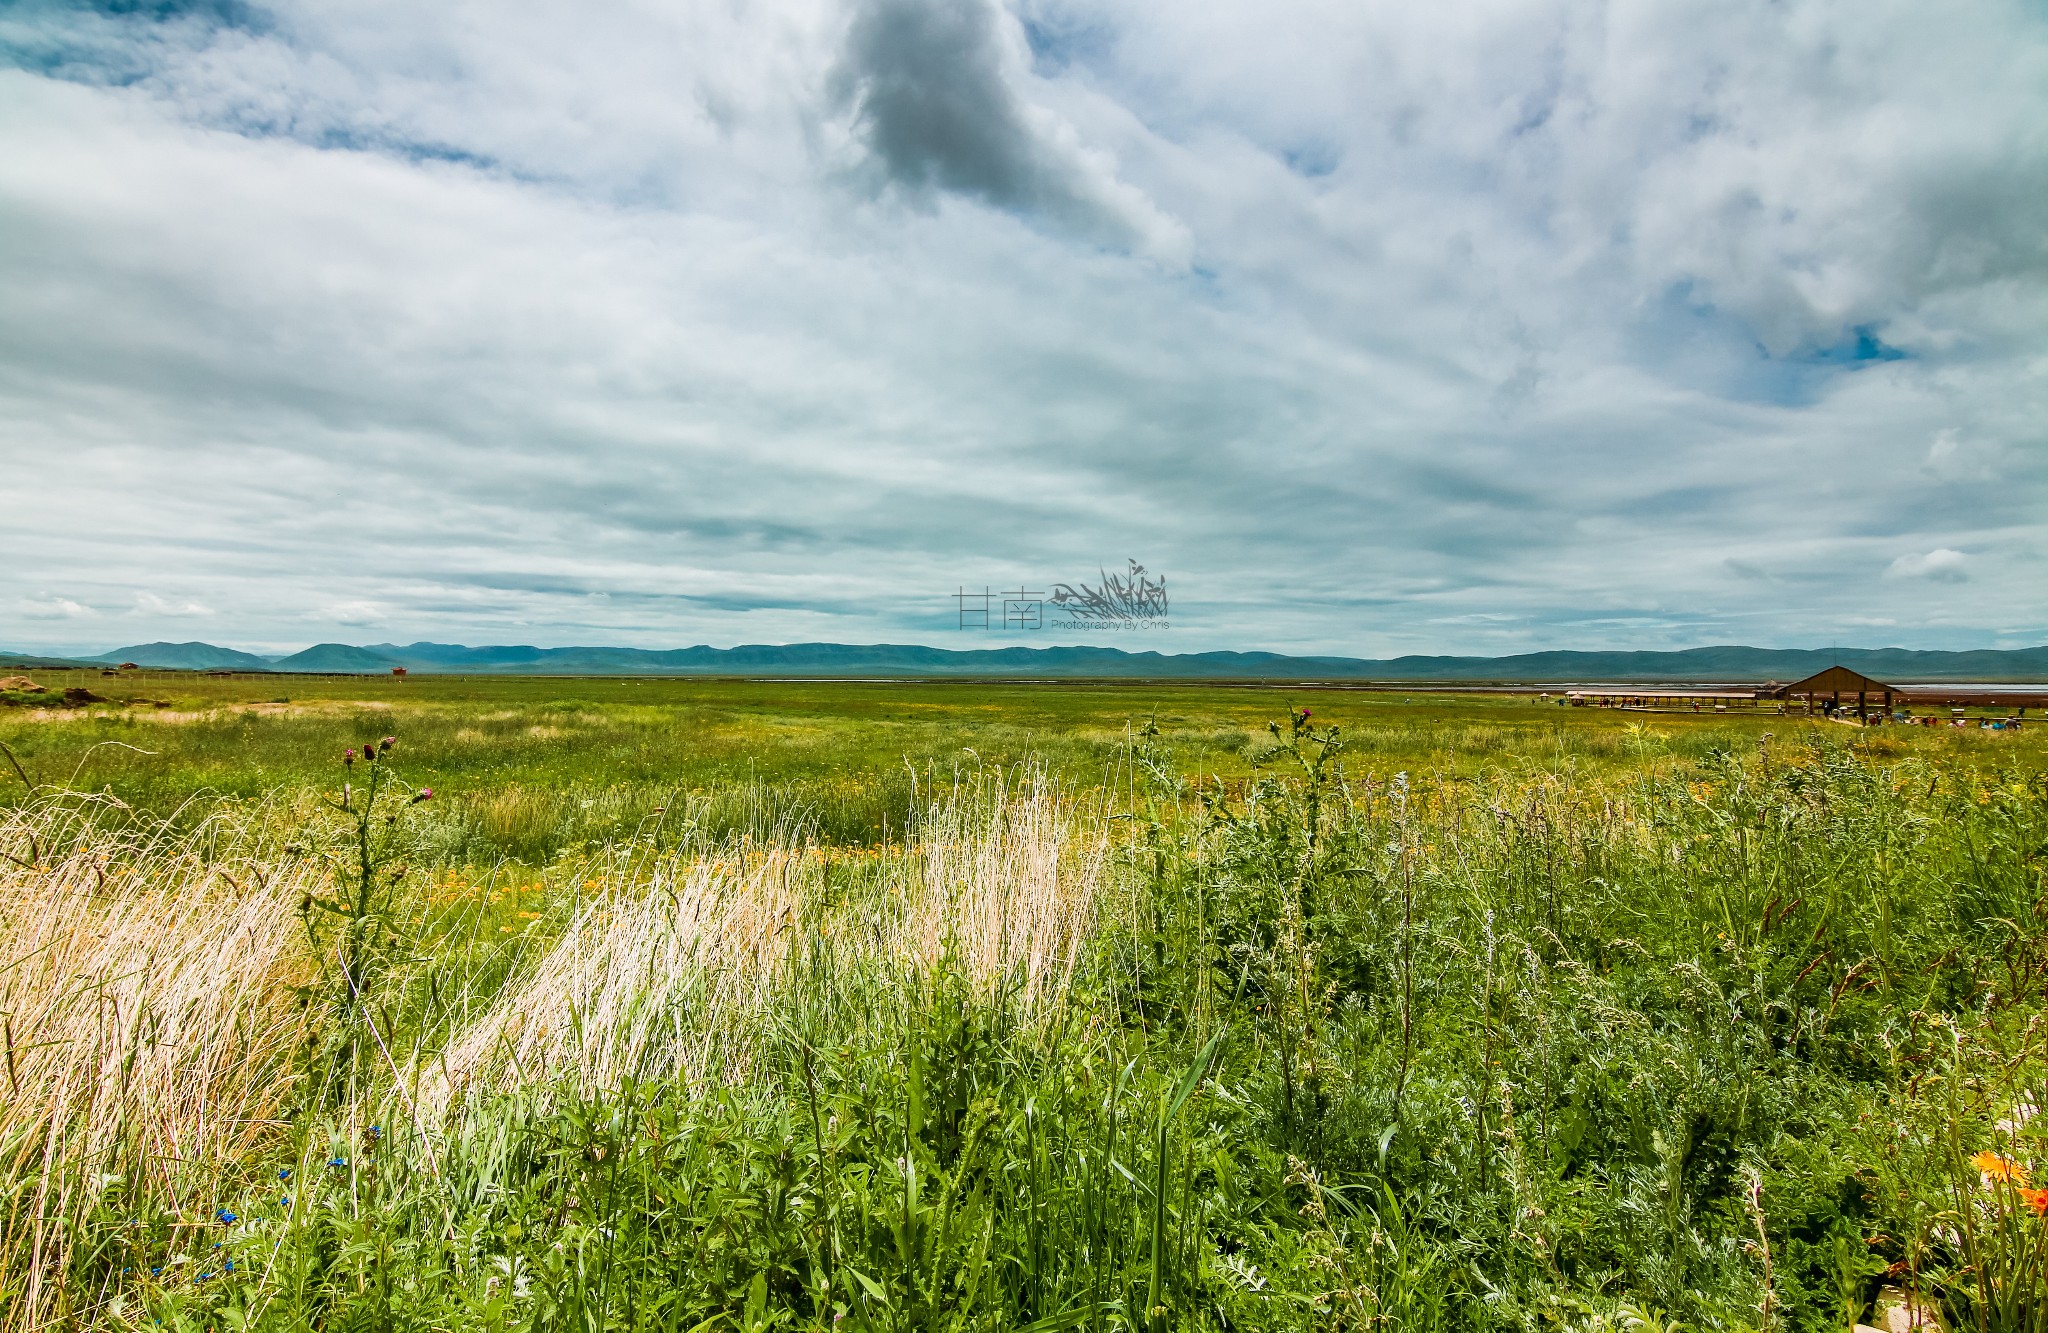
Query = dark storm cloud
x=925 y=82
x=930 y=88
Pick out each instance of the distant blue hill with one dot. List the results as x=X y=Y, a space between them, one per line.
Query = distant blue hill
x=186 y=657
x=1728 y=663
x=336 y=657
x=36 y=662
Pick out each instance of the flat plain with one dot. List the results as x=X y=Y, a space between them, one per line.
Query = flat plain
x=688 y=1003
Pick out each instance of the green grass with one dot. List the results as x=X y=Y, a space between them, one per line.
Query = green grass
x=534 y=768
x=1481 y=1014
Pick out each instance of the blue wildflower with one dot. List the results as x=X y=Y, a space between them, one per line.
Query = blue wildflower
x=225 y=1218
x=158 y=1271
x=285 y=1201
x=284 y=1173
x=338 y=1163
x=231 y=1265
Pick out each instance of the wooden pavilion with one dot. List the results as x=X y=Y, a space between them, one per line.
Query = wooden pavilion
x=1837 y=682
x=1838 y=685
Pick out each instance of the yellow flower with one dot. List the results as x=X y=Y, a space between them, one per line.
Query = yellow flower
x=1993 y=1167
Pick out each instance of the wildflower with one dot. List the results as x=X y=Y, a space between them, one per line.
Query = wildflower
x=230 y=1265
x=348 y=756
x=1996 y=1168
x=284 y=1173
x=376 y=1132
x=225 y=1218
x=2036 y=1200
x=384 y=746
x=338 y=1163
x=423 y=794
x=284 y=1201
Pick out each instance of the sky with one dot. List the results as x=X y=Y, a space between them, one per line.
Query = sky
x=1371 y=328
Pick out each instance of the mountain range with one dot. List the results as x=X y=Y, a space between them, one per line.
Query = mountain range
x=1728 y=663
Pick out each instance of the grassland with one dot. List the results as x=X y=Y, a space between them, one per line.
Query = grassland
x=532 y=767
x=716 y=1004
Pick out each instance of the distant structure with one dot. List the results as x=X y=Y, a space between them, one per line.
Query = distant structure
x=1835 y=682
x=1834 y=689
x=398 y=671
x=1663 y=698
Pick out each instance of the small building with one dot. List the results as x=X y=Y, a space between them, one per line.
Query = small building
x=1836 y=684
x=1838 y=688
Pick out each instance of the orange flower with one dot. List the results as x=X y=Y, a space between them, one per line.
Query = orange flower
x=2036 y=1200
x=1995 y=1167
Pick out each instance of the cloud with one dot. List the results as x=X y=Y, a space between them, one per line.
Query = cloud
x=931 y=88
x=149 y=604
x=1506 y=329
x=54 y=608
x=355 y=614
x=1937 y=566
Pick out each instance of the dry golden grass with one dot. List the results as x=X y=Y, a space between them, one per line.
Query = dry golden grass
x=677 y=967
x=150 y=1025
x=150 y=982
x=1010 y=882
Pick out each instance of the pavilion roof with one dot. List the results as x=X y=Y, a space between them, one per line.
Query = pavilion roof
x=1834 y=679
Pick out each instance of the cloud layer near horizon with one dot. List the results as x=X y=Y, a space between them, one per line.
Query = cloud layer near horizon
x=1375 y=330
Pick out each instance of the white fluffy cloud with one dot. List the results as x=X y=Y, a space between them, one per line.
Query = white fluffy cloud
x=155 y=607
x=1940 y=566
x=53 y=608
x=1444 y=328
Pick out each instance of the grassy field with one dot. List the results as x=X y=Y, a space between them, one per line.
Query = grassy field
x=530 y=768
x=715 y=1004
